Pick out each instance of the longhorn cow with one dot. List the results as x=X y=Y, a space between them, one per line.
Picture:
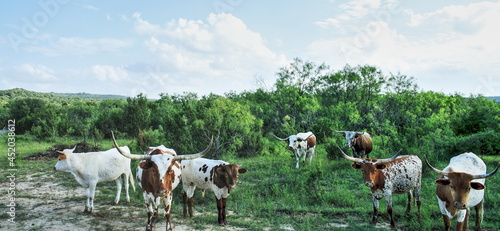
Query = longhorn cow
x=159 y=174
x=302 y=145
x=359 y=142
x=91 y=168
x=460 y=187
x=215 y=175
x=386 y=177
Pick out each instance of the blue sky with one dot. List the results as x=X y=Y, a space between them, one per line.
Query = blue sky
x=218 y=46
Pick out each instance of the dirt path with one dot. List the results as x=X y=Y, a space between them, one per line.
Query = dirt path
x=44 y=204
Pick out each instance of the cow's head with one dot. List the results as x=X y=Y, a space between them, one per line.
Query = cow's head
x=158 y=165
x=295 y=142
x=369 y=167
x=64 y=163
x=350 y=137
x=227 y=175
x=460 y=184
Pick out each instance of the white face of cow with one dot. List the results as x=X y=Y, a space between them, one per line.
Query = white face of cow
x=64 y=162
x=293 y=142
x=350 y=138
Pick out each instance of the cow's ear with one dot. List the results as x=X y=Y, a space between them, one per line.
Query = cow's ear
x=477 y=186
x=219 y=170
x=443 y=181
x=145 y=164
x=356 y=166
x=62 y=156
x=380 y=166
x=242 y=170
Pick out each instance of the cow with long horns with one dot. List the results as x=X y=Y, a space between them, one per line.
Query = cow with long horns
x=359 y=142
x=460 y=187
x=386 y=177
x=302 y=145
x=217 y=176
x=159 y=174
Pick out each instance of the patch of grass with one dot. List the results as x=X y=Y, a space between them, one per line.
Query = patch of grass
x=273 y=195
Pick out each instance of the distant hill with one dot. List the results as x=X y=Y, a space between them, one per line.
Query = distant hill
x=494 y=98
x=89 y=96
x=6 y=95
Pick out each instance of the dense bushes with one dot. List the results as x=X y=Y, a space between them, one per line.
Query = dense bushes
x=306 y=97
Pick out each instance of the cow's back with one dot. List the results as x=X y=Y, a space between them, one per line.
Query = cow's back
x=467 y=162
x=198 y=172
x=404 y=173
x=110 y=164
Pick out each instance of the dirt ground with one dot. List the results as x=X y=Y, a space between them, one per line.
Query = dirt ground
x=55 y=207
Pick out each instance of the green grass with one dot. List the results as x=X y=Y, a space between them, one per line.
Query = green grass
x=275 y=195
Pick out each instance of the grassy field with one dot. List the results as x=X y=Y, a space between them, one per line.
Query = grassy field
x=272 y=195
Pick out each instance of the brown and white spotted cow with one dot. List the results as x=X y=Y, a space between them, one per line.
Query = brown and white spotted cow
x=215 y=175
x=460 y=187
x=159 y=174
x=385 y=177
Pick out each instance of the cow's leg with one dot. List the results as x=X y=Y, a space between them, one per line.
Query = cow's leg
x=410 y=200
x=187 y=204
x=149 y=207
x=118 y=189
x=388 y=199
x=461 y=218
x=375 y=210
x=417 y=198
x=297 y=158
x=90 y=193
x=224 y=200
x=310 y=154
x=479 y=214
x=126 y=184
x=447 y=222
x=466 y=220
x=184 y=204
x=168 y=202
x=220 y=211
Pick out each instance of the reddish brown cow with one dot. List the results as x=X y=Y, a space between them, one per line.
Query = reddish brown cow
x=390 y=176
x=159 y=174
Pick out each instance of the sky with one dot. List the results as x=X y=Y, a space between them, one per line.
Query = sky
x=221 y=46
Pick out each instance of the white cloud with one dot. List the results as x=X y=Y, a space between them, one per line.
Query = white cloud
x=459 y=39
x=79 y=46
x=38 y=73
x=109 y=73
x=220 y=53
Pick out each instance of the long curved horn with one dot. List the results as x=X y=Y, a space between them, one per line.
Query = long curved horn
x=281 y=138
x=352 y=159
x=435 y=169
x=129 y=155
x=197 y=155
x=385 y=161
x=487 y=174
x=340 y=131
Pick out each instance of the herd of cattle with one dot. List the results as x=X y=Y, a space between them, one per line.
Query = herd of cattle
x=459 y=187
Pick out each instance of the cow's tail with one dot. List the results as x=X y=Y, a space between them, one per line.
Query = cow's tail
x=131 y=180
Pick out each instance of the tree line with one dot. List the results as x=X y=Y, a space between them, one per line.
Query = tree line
x=306 y=97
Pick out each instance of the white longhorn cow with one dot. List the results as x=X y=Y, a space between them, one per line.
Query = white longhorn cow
x=91 y=168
